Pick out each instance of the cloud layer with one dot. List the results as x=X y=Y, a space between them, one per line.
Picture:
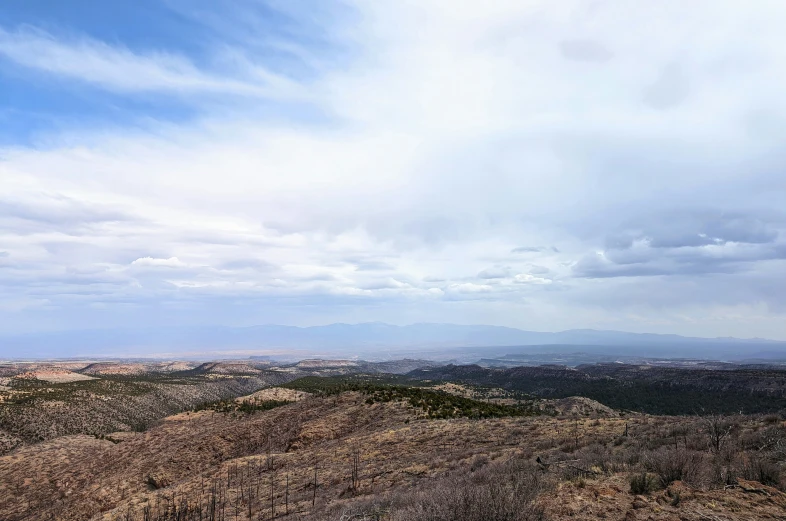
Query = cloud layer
x=534 y=164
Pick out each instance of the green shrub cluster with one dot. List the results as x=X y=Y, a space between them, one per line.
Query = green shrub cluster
x=434 y=404
x=642 y=483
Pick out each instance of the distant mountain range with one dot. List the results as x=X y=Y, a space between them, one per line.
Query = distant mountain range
x=374 y=341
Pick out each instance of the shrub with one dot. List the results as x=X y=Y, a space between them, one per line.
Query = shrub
x=642 y=483
x=487 y=497
x=479 y=462
x=434 y=404
x=672 y=465
x=764 y=471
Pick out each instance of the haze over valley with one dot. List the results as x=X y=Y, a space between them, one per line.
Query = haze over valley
x=373 y=341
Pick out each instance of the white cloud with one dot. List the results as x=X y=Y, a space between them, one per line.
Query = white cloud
x=526 y=278
x=469 y=287
x=121 y=70
x=457 y=143
x=171 y=262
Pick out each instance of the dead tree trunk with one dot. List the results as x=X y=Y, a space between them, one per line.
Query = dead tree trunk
x=314 y=496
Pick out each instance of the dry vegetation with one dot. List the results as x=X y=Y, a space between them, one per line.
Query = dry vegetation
x=54 y=376
x=274 y=394
x=36 y=410
x=348 y=452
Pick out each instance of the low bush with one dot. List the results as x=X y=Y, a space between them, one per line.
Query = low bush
x=671 y=465
x=495 y=493
x=642 y=483
x=765 y=471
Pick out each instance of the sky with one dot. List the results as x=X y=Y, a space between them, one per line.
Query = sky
x=535 y=164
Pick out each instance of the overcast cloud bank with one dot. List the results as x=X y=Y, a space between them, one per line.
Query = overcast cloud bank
x=535 y=164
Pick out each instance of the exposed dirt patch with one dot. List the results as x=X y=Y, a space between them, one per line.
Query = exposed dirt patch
x=274 y=393
x=577 y=406
x=456 y=389
x=112 y=368
x=54 y=376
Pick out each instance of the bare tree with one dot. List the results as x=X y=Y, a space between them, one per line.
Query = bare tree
x=286 y=496
x=576 y=433
x=314 y=496
x=718 y=430
x=355 y=464
x=272 y=495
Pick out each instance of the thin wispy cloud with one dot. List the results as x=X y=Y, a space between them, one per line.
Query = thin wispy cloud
x=118 y=69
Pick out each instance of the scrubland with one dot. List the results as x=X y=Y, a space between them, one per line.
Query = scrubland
x=380 y=448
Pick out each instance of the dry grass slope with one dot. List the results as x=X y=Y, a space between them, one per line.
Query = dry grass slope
x=355 y=450
x=380 y=460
